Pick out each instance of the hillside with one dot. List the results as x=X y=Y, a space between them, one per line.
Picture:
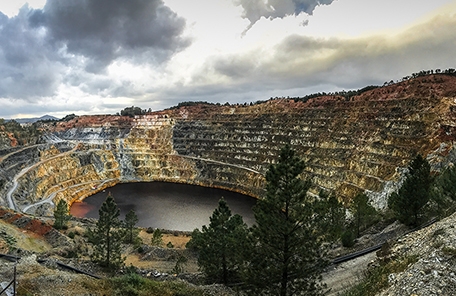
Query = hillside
x=44 y=252
x=420 y=262
x=350 y=144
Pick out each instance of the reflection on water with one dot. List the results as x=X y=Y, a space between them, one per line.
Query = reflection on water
x=167 y=205
x=81 y=209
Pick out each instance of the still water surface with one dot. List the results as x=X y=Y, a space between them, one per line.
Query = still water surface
x=167 y=205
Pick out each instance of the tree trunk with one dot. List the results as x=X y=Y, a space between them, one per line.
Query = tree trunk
x=108 y=247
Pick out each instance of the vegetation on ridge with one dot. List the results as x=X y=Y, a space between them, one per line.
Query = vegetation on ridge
x=20 y=134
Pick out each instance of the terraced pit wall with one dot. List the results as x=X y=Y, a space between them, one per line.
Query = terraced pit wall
x=360 y=144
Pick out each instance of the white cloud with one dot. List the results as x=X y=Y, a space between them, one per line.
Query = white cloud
x=11 y=7
x=355 y=18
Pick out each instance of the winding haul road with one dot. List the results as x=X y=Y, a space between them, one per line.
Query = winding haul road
x=25 y=170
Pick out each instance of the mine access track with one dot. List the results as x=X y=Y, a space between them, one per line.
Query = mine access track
x=13 y=258
x=360 y=253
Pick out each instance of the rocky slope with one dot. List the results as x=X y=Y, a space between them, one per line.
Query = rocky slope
x=45 y=254
x=350 y=145
x=434 y=272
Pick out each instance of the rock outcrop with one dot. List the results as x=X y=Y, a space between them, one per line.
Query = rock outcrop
x=359 y=144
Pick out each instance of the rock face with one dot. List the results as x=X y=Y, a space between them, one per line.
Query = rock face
x=360 y=144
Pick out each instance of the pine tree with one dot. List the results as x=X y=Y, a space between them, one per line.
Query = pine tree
x=446 y=182
x=221 y=246
x=287 y=258
x=108 y=235
x=157 y=238
x=364 y=214
x=129 y=224
x=414 y=193
x=332 y=214
x=443 y=193
x=61 y=215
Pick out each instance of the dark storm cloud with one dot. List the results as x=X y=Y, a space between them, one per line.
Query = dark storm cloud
x=255 y=9
x=104 y=30
x=28 y=67
x=68 y=41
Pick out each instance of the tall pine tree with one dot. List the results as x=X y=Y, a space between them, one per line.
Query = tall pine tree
x=332 y=214
x=131 y=232
x=364 y=214
x=443 y=192
x=287 y=258
x=61 y=215
x=108 y=236
x=414 y=193
x=221 y=246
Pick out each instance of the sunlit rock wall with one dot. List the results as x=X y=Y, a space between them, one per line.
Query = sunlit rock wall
x=360 y=144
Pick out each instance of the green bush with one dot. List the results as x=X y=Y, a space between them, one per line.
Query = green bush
x=157 y=237
x=348 y=238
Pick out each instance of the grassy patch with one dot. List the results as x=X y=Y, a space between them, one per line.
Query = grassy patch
x=377 y=279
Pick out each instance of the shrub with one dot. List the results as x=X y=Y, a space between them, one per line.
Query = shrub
x=348 y=238
x=157 y=237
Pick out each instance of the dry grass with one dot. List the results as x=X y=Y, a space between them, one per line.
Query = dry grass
x=178 y=241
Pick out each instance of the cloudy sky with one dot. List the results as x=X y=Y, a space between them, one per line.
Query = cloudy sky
x=100 y=56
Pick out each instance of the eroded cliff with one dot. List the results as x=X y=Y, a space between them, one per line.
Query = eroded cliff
x=350 y=145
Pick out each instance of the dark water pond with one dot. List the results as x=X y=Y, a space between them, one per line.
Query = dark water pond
x=167 y=205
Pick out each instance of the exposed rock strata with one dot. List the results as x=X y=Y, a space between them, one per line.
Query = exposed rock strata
x=354 y=145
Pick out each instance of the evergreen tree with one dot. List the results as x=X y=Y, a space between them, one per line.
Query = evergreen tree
x=221 y=246
x=443 y=193
x=408 y=202
x=108 y=236
x=446 y=182
x=130 y=222
x=157 y=238
x=61 y=215
x=363 y=213
x=332 y=214
x=287 y=258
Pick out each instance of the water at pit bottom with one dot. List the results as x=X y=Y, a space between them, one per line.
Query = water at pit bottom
x=167 y=205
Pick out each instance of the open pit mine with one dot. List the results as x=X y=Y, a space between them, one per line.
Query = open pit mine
x=356 y=144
